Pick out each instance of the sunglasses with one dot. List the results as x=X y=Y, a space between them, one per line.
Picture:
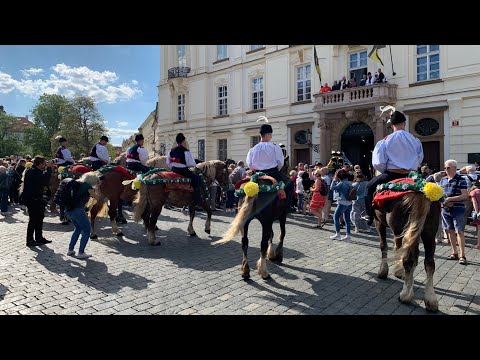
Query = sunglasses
x=448 y=167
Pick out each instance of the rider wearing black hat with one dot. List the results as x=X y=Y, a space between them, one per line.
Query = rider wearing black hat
x=99 y=154
x=137 y=156
x=63 y=155
x=179 y=159
x=268 y=158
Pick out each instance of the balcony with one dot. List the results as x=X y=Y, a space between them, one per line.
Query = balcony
x=357 y=97
x=178 y=72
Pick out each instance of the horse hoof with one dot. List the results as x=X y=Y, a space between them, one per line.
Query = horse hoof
x=207 y=231
x=93 y=237
x=193 y=234
x=382 y=275
x=431 y=308
x=266 y=277
x=157 y=243
x=246 y=276
x=156 y=227
x=120 y=234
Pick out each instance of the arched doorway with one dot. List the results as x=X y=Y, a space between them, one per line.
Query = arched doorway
x=357 y=144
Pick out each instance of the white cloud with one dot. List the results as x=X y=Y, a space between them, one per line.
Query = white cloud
x=115 y=132
x=122 y=123
x=134 y=82
x=30 y=72
x=70 y=81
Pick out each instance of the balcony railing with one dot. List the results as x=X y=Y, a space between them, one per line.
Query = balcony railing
x=355 y=97
x=178 y=72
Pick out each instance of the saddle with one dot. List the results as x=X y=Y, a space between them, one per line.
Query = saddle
x=175 y=182
x=387 y=195
x=271 y=182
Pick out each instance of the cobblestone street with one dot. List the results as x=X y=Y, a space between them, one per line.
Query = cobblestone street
x=188 y=276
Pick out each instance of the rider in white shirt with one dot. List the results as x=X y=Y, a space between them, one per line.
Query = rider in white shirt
x=137 y=156
x=63 y=155
x=99 y=154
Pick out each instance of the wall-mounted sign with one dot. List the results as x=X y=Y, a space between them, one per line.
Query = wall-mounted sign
x=201 y=149
x=455 y=123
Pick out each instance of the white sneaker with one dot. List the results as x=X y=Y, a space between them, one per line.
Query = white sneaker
x=335 y=237
x=83 y=256
x=357 y=230
x=347 y=237
x=71 y=253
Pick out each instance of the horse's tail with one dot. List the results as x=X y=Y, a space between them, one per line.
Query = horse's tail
x=238 y=222
x=419 y=206
x=101 y=204
x=140 y=202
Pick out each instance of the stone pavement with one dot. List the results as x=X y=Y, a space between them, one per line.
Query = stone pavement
x=188 y=276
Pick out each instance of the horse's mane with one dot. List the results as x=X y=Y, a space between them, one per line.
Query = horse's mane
x=210 y=168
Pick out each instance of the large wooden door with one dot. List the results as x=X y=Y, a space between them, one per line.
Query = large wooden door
x=301 y=156
x=431 y=154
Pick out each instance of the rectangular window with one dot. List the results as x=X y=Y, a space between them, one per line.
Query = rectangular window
x=257 y=93
x=428 y=62
x=181 y=107
x=222 y=100
x=304 y=83
x=255 y=47
x=254 y=140
x=358 y=65
x=221 y=52
x=222 y=149
x=201 y=149
x=182 y=55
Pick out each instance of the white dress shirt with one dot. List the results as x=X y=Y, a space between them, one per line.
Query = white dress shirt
x=399 y=150
x=142 y=155
x=264 y=156
x=67 y=156
x=188 y=159
x=102 y=153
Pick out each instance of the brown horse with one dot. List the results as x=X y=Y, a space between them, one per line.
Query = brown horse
x=411 y=217
x=53 y=186
x=151 y=199
x=267 y=208
x=121 y=160
x=112 y=190
x=158 y=162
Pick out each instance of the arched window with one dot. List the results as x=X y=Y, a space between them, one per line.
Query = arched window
x=427 y=127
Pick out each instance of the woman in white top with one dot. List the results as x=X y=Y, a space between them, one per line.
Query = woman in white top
x=299 y=181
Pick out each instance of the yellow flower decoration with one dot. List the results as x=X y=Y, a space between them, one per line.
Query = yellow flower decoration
x=28 y=164
x=251 y=189
x=61 y=168
x=136 y=184
x=432 y=191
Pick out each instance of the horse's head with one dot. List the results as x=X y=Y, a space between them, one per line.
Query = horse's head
x=215 y=170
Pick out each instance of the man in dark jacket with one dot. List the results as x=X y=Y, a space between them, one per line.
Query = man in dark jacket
x=36 y=178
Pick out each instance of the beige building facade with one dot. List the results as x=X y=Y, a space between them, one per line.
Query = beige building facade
x=215 y=93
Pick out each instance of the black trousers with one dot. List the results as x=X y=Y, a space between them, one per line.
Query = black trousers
x=97 y=164
x=36 y=209
x=66 y=163
x=372 y=186
x=277 y=175
x=195 y=179
x=136 y=166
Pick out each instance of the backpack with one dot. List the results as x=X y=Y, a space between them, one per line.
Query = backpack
x=67 y=194
x=352 y=194
x=235 y=176
x=323 y=189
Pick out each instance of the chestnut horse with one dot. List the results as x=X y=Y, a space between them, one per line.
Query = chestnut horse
x=267 y=208
x=151 y=199
x=410 y=217
x=111 y=189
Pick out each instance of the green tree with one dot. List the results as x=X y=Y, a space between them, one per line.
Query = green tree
x=49 y=113
x=111 y=151
x=36 y=141
x=82 y=125
x=9 y=145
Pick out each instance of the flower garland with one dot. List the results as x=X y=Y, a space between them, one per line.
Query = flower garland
x=432 y=191
x=251 y=190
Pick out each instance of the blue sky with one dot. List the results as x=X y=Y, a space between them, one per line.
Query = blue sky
x=122 y=78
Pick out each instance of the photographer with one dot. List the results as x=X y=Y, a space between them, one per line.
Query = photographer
x=453 y=220
x=36 y=178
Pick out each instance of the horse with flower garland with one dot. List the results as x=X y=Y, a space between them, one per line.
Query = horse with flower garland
x=263 y=198
x=411 y=208
x=160 y=186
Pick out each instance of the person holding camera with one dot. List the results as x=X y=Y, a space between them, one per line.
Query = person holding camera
x=36 y=178
x=453 y=219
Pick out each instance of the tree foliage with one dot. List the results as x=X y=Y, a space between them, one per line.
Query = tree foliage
x=49 y=113
x=9 y=144
x=36 y=141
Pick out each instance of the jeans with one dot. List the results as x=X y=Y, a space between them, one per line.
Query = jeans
x=342 y=209
x=300 y=202
x=4 y=200
x=230 y=199
x=82 y=225
x=357 y=208
x=453 y=219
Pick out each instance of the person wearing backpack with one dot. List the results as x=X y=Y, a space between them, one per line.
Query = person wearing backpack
x=4 y=190
x=238 y=173
x=319 y=190
x=341 y=188
x=80 y=191
x=36 y=178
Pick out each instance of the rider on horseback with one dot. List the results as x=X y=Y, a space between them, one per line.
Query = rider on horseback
x=137 y=156
x=99 y=154
x=268 y=158
x=63 y=155
x=179 y=159
x=394 y=156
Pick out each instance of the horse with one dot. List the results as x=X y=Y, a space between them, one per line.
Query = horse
x=266 y=207
x=410 y=218
x=158 y=162
x=112 y=189
x=121 y=160
x=152 y=197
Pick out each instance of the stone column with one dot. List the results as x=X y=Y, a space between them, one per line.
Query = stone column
x=322 y=125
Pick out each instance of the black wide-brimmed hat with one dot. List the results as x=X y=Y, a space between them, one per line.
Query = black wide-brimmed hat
x=138 y=137
x=61 y=139
x=397 y=118
x=104 y=138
